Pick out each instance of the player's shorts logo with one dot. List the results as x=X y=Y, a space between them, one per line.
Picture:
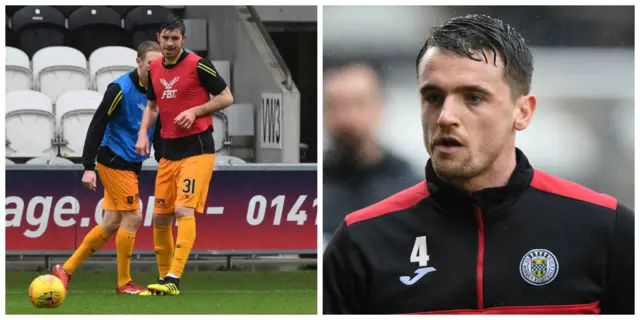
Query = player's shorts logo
x=539 y=267
x=130 y=199
x=160 y=203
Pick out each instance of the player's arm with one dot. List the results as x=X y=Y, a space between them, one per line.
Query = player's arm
x=215 y=85
x=158 y=142
x=149 y=116
x=619 y=292
x=106 y=110
x=344 y=274
x=150 y=113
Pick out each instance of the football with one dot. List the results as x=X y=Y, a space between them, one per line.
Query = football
x=47 y=291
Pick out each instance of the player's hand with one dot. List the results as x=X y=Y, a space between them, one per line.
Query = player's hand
x=185 y=118
x=89 y=180
x=142 y=145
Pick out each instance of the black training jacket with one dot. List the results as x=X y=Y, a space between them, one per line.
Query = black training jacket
x=539 y=245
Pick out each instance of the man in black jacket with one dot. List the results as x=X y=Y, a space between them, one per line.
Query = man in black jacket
x=485 y=232
x=358 y=170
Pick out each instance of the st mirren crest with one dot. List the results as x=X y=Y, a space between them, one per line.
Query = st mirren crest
x=539 y=267
x=169 y=92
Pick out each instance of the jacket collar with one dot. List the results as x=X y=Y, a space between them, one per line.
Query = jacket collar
x=490 y=200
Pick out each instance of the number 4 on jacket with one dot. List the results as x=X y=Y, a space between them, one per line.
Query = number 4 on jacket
x=419 y=253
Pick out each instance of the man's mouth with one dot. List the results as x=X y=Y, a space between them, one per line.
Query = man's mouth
x=447 y=144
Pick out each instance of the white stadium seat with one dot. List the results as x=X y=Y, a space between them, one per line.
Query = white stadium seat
x=108 y=63
x=30 y=124
x=74 y=111
x=220 y=131
x=60 y=69
x=224 y=69
x=49 y=161
x=18 y=70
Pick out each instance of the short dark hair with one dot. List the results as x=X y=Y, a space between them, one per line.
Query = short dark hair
x=173 y=22
x=472 y=33
x=147 y=46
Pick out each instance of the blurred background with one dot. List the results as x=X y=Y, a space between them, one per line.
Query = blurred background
x=583 y=78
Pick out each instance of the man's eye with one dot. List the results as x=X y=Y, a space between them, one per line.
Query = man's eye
x=432 y=99
x=473 y=98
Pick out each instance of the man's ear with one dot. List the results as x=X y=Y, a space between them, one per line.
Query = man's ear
x=525 y=107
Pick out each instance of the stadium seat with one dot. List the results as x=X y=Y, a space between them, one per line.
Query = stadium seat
x=49 y=161
x=30 y=125
x=11 y=39
x=220 y=130
x=143 y=23
x=38 y=27
x=74 y=111
x=224 y=69
x=67 y=10
x=58 y=70
x=8 y=161
x=91 y=28
x=108 y=63
x=18 y=70
x=11 y=10
x=122 y=10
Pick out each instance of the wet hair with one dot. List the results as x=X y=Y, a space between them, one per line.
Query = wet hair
x=472 y=34
x=173 y=22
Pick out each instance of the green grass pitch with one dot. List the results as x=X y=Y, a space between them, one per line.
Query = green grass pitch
x=221 y=292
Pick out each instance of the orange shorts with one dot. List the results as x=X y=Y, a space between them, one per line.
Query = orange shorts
x=183 y=183
x=121 y=191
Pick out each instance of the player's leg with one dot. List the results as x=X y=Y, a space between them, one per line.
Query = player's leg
x=92 y=242
x=125 y=240
x=164 y=194
x=126 y=198
x=192 y=188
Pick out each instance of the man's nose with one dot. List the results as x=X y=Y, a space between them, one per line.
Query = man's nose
x=448 y=113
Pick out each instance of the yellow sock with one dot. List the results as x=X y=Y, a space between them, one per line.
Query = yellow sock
x=163 y=241
x=124 y=246
x=184 y=243
x=92 y=242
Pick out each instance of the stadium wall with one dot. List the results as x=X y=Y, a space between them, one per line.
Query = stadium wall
x=288 y=13
x=255 y=72
x=260 y=217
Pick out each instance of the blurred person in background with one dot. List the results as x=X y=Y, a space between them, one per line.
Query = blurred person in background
x=484 y=232
x=358 y=171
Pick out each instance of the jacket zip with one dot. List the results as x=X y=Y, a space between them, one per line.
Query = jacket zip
x=480 y=264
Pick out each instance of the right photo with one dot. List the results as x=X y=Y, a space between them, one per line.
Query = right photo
x=478 y=160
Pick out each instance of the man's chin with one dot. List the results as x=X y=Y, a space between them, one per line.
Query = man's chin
x=348 y=142
x=447 y=168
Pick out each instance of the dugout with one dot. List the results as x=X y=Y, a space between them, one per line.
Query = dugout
x=38 y=27
x=91 y=28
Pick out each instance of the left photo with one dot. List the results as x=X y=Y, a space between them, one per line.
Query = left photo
x=166 y=152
